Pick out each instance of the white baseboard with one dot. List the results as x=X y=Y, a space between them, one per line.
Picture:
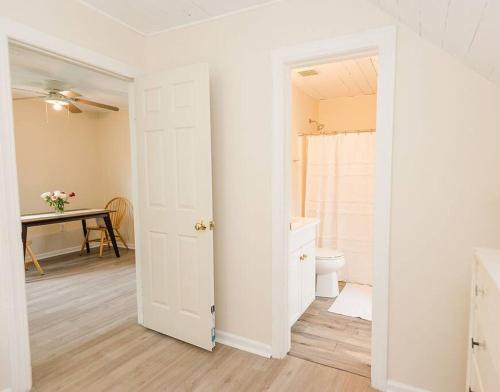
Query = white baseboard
x=59 y=252
x=394 y=386
x=242 y=343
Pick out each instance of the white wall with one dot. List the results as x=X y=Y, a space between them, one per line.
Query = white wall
x=348 y=113
x=444 y=200
x=87 y=153
x=303 y=108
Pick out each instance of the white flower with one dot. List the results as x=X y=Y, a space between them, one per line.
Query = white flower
x=53 y=198
x=64 y=196
x=57 y=194
x=45 y=195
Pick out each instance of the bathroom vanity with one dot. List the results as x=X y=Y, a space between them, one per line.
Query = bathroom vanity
x=301 y=266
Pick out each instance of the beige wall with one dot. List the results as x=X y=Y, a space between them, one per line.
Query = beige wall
x=348 y=113
x=444 y=204
x=115 y=170
x=72 y=21
x=87 y=153
x=303 y=108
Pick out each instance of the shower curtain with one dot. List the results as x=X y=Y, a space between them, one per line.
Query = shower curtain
x=339 y=191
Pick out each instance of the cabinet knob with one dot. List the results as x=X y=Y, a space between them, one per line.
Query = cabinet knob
x=474 y=343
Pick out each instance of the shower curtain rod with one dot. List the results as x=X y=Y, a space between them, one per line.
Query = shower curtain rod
x=321 y=133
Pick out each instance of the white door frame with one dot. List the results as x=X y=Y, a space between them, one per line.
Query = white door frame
x=380 y=41
x=12 y=281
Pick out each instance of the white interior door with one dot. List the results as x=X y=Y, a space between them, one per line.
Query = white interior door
x=174 y=194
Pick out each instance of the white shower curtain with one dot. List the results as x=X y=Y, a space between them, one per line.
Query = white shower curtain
x=339 y=191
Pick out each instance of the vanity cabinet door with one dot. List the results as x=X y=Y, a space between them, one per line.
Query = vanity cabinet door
x=294 y=286
x=308 y=275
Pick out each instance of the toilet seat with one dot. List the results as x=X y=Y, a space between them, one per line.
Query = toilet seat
x=328 y=254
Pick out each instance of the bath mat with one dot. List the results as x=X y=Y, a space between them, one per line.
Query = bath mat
x=355 y=300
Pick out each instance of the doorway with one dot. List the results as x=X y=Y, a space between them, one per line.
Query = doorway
x=333 y=120
x=382 y=43
x=72 y=135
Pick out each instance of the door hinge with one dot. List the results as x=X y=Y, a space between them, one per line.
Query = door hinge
x=211 y=225
x=212 y=310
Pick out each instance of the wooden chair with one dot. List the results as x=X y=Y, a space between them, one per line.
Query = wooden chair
x=33 y=260
x=119 y=206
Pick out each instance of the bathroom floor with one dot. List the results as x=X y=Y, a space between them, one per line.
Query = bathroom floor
x=331 y=339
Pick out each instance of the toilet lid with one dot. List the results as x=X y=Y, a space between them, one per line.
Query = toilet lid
x=328 y=253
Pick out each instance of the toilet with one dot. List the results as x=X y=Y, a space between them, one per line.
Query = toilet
x=328 y=262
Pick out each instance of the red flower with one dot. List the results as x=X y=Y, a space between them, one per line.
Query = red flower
x=72 y=194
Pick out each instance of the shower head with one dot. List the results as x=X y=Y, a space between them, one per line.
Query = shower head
x=319 y=126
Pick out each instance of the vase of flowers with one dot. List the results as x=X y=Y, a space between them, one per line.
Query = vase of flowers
x=57 y=199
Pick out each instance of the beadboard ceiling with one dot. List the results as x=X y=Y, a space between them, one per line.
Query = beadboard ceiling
x=30 y=70
x=152 y=16
x=467 y=29
x=346 y=78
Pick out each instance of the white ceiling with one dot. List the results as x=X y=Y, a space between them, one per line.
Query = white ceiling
x=467 y=29
x=346 y=78
x=30 y=70
x=152 y=16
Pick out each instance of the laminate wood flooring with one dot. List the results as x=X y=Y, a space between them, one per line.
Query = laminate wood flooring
x=85 y=337
x=331 y=339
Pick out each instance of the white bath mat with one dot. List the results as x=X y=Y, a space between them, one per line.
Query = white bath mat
x=355 y=300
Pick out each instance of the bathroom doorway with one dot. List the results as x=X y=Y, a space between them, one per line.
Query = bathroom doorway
x=380 y=43
x=330 y=276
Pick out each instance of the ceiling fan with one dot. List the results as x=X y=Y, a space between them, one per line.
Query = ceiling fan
x=55 y=94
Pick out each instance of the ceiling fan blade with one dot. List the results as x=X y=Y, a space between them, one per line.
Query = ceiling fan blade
x=42 y=93
x=26 y=98
x=96 y=104
x=73 y=109
x=70 y=94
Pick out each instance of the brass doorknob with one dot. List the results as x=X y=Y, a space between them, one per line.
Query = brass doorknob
x=200 y=226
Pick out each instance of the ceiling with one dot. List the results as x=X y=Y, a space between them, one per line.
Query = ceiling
x=30 y=70
x=152 y=16
x=467 y=29
x=346 y=78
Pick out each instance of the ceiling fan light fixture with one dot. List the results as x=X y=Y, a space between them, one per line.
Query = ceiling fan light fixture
x=56 y=102
x=57 y=106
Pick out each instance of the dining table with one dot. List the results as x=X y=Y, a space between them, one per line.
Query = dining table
x=82 y=215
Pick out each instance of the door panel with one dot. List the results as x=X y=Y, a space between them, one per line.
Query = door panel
x=175 y=192
x=294 y=286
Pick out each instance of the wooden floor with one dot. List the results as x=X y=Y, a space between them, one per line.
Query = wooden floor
x=84 y=337
x=331 y=339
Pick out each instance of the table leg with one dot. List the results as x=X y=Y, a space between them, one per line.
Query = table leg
x=84 y=227
x=24 y=236
x=109 y=227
